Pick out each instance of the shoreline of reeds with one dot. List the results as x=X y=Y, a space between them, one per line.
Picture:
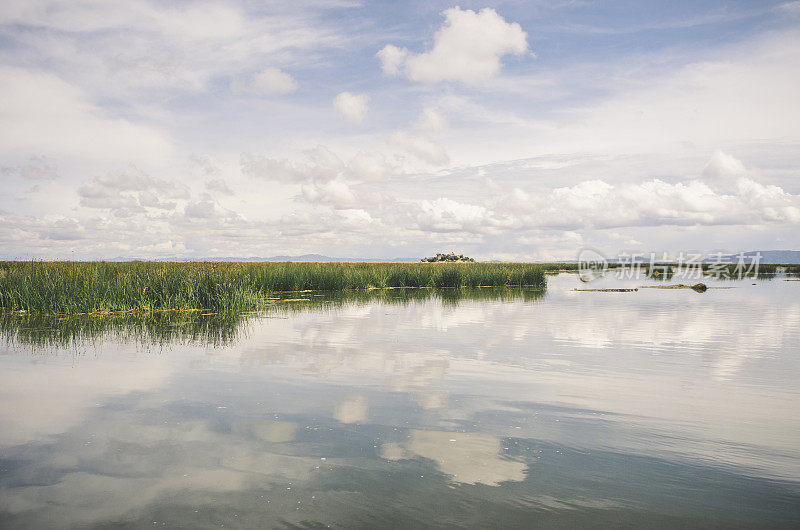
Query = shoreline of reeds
x=71 y=287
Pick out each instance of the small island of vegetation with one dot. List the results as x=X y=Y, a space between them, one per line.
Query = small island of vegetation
x=448 y=258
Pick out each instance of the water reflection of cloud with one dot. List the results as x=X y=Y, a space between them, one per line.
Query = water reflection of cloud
x=81 y=498
x=49 y=397
x=693 y=376
x=469 y=458
x=352 y=409
x=275 y=431
x=418 y=371
x=650 y=355
x=338 y=340
x=130 y=463
x=431 y=400
x=444 y=318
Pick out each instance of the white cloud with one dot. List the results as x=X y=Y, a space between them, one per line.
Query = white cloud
x=444 y=214
x=136 y=48
x=736 y=97
x=767 y=204
x=319 y=163
x=431 y=120
x=367 y=165
x=194 y=22
x=599 y=204
x=219 y=186
x=340 y=195
x=128 y=191
x=37 y=168
x=744 y=95
x=54 y=118
x=280 y=170
x=324 y=162
x=422 y=147
x=468 y=48
x=351 y=107
x=204 y=209
x=335 y=193
x=791 y=8
x=207 y=165
x=63 y=229
x=392 y=59
x=129 y=213
x=275 y=81
x=723 y=165
x=201 y=22
x=356 y=216
x=271 y=81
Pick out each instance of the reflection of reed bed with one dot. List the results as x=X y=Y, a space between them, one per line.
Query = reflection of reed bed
x=153 y=328
x=83 y=287
x=202 y=327
x=660 y=272
x=405 y=296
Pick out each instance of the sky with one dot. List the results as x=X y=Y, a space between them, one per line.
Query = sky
x=504 y=130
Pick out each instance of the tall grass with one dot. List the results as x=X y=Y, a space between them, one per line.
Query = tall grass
x=82 y=287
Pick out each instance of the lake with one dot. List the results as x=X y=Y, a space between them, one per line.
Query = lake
x=397 y=408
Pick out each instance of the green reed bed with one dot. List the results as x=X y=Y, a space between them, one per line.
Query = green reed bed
x=84 y=287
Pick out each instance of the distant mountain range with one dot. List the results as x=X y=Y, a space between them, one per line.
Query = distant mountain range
x=784 y=257
x=767 y=256
x=320 y=257
x=303 y=257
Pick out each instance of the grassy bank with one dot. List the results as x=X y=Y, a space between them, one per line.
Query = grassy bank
x=81 y=287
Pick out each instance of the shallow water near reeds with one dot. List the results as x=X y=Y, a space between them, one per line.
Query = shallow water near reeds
x=412 y=408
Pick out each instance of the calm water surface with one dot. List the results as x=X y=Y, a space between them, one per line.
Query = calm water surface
x=657 y=408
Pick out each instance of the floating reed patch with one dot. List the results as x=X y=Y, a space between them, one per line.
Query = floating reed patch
x=608 y=290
